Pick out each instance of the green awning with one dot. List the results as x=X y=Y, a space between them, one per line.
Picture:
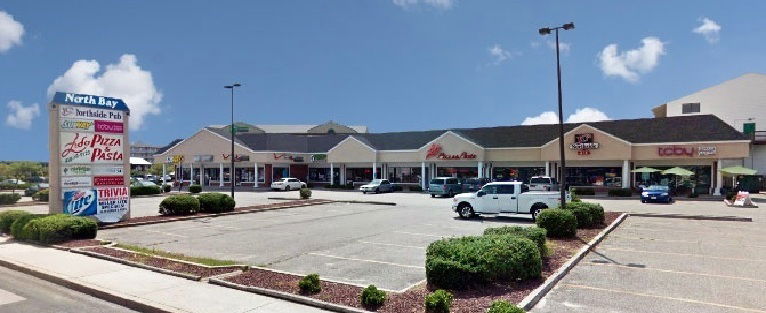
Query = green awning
x=738 y=170
x=678 y=171
x=645 y=170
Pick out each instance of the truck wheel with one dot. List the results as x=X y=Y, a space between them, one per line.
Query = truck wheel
x=433 y=196
x=465 y=210
x=536 y=210
x=287 y=188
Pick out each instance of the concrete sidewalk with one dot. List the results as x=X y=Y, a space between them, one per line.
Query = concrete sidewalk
x=129 y=284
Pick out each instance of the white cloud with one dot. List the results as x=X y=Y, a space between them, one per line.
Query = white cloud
x=125 y=80
x=563 y=46
x=500 y=55
x=629 y=64
x=21 y=116
x=11 y=32
x=709 y=29
x=439 y=4
x=581 y=115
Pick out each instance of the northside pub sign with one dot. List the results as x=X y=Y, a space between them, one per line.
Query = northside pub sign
x=89 y=133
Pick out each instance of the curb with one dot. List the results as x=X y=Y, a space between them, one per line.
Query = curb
x=697 y=217
x=533 y=298
x=127 y=302
x=289 y=297
x=136 y=264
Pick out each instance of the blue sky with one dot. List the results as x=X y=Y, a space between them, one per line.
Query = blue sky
x=393 y=65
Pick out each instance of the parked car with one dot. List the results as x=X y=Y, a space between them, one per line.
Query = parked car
x=34 y=189
x=13 y=181
x=507 y=198
x=138 y=183
x=377 y=185
x=543 y=183
x=444 y=186
x=656 y=193
x=287 y=184
x=473 y=184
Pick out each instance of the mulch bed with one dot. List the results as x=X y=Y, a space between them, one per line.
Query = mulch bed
x=156 y=218
x=411 y=301
x=80 y=243
x=176 y=266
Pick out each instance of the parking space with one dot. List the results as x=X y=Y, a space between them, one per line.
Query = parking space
x=354 y=243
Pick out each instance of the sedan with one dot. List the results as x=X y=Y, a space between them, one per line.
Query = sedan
x=377 y=185
x=287 y=184
x=656 y=193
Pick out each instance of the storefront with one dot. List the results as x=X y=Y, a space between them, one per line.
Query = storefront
x=600 y=154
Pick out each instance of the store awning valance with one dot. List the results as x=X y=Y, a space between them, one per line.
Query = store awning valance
x=678 y=171
x=645 y=170
x=738 y=170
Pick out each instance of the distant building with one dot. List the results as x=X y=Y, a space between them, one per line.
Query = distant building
x=143 y=150
x=740 y=102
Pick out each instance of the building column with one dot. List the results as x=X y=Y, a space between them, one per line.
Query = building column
x=423 y=178
x=191 y=174
x=255 y=180
x=718 y=178
x=202 y=174
x=480 y=169
x=342 y=169
x=331 y=174
x=547 y=168
x=625 y=174
x=220 y=174
x=374 y=170
x=164 y=173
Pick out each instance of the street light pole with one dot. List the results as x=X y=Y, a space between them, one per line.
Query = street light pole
x=233 y=131
x=562 y=178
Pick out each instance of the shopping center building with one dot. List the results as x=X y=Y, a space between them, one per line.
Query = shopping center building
x=597 y=154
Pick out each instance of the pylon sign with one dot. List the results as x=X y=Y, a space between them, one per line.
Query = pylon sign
x=89 y=169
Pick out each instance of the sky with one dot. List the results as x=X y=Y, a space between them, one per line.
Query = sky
x=393 y=65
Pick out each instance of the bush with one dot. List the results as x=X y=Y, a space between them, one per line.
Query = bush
x=622 y=192
x=694 y=194
x=214 y=202
x=416 y=188
x=144 y=190
x=584 y=191
x=8 y=217
x=594 y=211
x=195 y=188
x=536 y=234
x=13 y=186
x=9 y=198
x=459 y=263
x=730 y=195
x=18 y=228
x=438 y=301
x=372 y=296
x=59 y=228
x=305 y=193
x=583 y=217
x=502 y=306
x=166 y=188
x=179 y=205
x=575 y=198
x=558 y=222
x=41 y=195
x=310 y=284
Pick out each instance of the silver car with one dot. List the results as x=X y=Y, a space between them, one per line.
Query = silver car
x=377 y=185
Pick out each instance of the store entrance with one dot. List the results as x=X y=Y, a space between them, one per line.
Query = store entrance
x=594 y=176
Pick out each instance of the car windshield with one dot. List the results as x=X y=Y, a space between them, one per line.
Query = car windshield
x=376 y=181
x=539 y=180
x=437 y=181
x=657 y=188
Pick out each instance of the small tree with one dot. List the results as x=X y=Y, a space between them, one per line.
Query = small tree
x=24 y=170
x=156 y=169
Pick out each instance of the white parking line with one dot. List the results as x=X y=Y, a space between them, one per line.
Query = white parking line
x=7 y=297
x=165 y=233
x=613 y=248
x=364 y=260
x=695 y=242
x=390 y=244
x=676 y=272
x=641 y=294
x=421 y=234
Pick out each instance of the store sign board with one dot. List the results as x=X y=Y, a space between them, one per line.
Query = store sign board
x=89 y=101
x=75 y=181
x=683 y=151
x=108 y=204
x=108 y=180
x=79 y=147
x=583 y=143
x=288 y=157
x=435 y=151
x=76 y=170
x=70 y=124
x=203 y=158
x=237 y=157
x=91 y=114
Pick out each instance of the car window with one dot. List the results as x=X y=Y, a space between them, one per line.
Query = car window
x=539 y=180
x=490 y=189
x=436 y=181
x=384 y=182
x=505 y=189
x=452 y=181
x=294 y=180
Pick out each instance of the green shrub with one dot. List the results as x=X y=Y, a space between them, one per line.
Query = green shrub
x=694 y=194
x=8 y=217
x=13 y=186
x=622 y=192
x=305 y=193
x=195 y=188
x=502 y=306
x=310 y=284
x=584 y=191
x=583 y=217
x=59 y=228
x=179 y=205
x=9 y=198
x=536 y=234
x=459 y=263
x=558 y=222
x=41 y=195
x=594 y=210
x=18 y=228
x=575 y=198
x=730 y=195
x=372 y=296
x=214 y=202
x=166 y=188
x=144 y=190
x=438 y=301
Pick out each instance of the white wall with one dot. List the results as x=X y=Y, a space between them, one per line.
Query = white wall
x=733 y=101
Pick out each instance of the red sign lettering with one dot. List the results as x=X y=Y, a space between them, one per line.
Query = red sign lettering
x=436 y=151
x=108 y=180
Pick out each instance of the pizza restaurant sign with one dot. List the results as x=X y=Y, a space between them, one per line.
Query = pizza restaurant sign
x=583 y=143
x=683 y=151
x=435 y=151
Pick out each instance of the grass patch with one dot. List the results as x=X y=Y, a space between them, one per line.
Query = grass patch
x=176 y=256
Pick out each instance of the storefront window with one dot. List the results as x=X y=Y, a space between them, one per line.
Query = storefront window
x=700 y=180
x=319 y=174
x=359 y=175
x=404 y=175
x=280 y=172
x=522 y=174
x=459 y=172
x=594 y=176
x=245 y=175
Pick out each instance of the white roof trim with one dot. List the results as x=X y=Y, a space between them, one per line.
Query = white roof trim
x=591 y=126
x=453 y=133
x=195 y=134
x=348 y=138
x=689 y=142
x=512 y=148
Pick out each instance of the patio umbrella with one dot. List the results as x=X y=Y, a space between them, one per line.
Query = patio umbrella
x=738 y=170
x=678 y=172
x=645 y=170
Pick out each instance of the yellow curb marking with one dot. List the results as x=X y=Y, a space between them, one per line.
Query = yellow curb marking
x=684 y=254
x=364 y=260
x=641 y=294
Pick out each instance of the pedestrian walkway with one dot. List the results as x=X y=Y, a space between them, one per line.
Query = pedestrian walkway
x=168 y=293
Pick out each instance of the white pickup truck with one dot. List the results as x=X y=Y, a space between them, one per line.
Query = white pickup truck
x=506 y=198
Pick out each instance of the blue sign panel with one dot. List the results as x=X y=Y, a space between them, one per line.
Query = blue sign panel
x=90 y=101
x=81 y=202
